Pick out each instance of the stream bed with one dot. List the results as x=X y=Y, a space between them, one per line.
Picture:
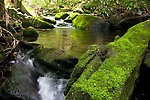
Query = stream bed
x=26 y=81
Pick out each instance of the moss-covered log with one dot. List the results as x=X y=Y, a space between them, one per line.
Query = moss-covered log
x=109 y=72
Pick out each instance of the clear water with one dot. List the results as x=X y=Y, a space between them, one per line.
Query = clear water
x=72 y=41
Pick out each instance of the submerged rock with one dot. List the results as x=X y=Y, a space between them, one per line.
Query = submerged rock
x=30 y=34
x=109 y=71
x=89 y=22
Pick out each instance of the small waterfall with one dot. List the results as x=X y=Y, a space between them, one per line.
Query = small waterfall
x=60 y=23
x=31 y=84
x=51 y=88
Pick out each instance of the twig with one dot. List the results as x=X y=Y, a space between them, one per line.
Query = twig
x=9 y=33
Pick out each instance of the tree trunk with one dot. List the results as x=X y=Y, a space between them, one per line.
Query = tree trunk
x=1 y=9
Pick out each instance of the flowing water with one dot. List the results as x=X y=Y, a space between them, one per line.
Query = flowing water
x=68 y=39
x=72 y=42
x=51 y=87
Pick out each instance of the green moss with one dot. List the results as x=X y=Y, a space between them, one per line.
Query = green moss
x=71 y=17
x=113 y=77
x=47 y=20
x=35 y=22
x=61 y=15
x=83 y=21
x=89 y=22
x=30 y=34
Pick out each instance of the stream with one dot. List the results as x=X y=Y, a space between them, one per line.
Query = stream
x=72 y=42
x=26 y=81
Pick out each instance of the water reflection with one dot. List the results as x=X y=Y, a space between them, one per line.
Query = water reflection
x=72 y=41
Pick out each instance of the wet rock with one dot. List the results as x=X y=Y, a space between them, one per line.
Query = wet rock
x=71 y=17
x=90 y=22
x=109 y=71
x=53 y=59
x=37 y=23
x=62 y=24
x=48 y=20
x=127 y=22
x=61 y=15
x=21 y=84
x=30 y=34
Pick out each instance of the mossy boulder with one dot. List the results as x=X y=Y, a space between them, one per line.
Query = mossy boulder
x=71 y=17
x=30 y=34
x=89 y=22
x=108 y=72
x=48 y=20
x=61 y=15
x=53 y=59
x=35 y=22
